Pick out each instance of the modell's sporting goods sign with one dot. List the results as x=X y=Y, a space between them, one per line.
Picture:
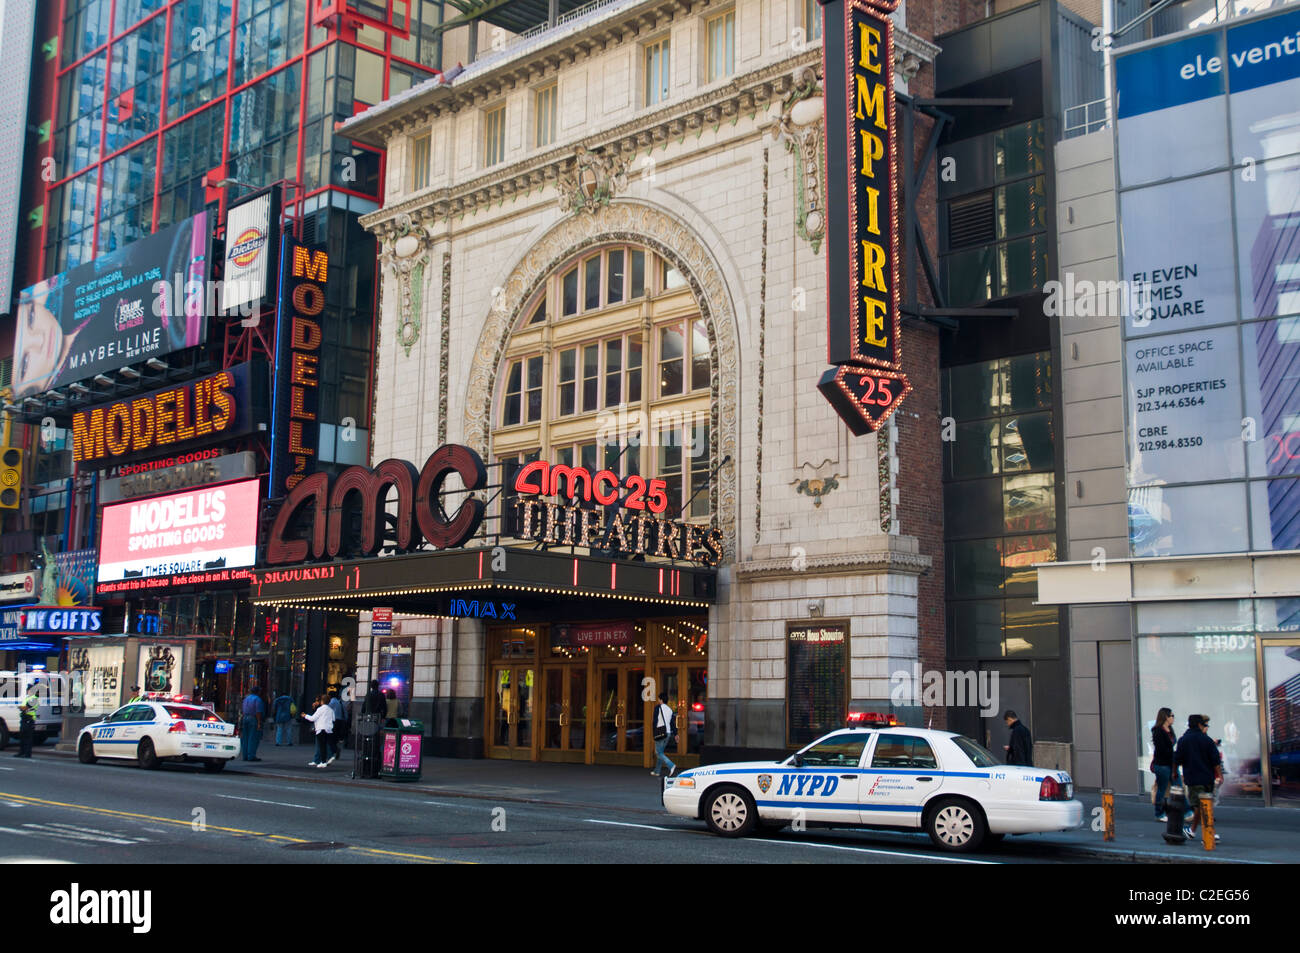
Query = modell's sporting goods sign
x=188 y=532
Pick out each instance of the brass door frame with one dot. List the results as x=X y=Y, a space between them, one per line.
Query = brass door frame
x=569 y=704
x=1261 y=698
x=513 y=752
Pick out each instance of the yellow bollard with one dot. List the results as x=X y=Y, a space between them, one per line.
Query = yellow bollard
x=1108 y=806
x=1207 y=821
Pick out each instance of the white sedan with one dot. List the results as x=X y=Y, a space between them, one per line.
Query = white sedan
x=896 y=777
x=151 y=732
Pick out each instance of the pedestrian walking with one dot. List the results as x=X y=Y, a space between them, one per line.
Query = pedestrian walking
x=284 y=709
x=390 y=705
x=665 y=729
x=1162 y=759
x=340 y=722
x=253 y=710
x=27 y=720
x=1198 y=757
x=1020 y=750
x=322 y=717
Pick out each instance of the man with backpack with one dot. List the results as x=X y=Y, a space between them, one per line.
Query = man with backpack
x=665 y=731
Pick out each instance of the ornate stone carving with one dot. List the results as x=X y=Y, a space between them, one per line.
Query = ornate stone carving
x=591 y=180
x=797 y=120
x=630 y=221
x=405 y=253
x=817 y=488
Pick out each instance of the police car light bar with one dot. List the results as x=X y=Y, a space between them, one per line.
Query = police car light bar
x=870 y=719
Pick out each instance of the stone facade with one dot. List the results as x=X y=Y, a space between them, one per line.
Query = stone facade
x=718 y=180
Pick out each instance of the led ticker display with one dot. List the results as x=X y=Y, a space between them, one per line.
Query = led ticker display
x=304 y=274
x=863 y=318
x=218 y=407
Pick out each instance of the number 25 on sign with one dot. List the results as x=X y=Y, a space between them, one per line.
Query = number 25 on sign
x=864 y=397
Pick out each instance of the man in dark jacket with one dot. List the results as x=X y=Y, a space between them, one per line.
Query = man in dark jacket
x=1201 y=763
x=1021 y=748
x=373 y=704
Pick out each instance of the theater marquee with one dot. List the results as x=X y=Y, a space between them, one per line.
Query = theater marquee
x=863 y=321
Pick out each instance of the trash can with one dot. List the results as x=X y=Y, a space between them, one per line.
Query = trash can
x=401 y=750
x=367 y=751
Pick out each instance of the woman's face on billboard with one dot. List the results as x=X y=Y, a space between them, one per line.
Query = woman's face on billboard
x=40 y=346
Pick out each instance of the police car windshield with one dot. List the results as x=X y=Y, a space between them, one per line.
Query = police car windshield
x=194 y=714
x=978 y=754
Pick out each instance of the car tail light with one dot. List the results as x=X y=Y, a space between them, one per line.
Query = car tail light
x=176 y=726
x=1053 y=790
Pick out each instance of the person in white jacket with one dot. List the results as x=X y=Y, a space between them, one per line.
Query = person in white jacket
x=323 y=718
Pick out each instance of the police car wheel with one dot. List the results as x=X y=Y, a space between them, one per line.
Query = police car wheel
x=86 y=751
x=146 y=756
x=731 y=812
x=956 y=825
x=214 y=765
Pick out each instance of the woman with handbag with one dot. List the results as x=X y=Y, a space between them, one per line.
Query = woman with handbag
x=1162 y=760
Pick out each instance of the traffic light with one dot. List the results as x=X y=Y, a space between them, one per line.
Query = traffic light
x=11 y=477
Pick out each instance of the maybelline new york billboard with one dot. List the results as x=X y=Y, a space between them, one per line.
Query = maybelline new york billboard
x=145 y=300
x=180 y=537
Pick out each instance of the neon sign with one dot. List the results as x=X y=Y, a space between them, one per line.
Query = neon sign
x=603 y=488
x=863 y=318
x=303 y=276
x=210 y=408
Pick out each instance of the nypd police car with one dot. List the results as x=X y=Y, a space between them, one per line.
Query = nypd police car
x=156 y=730
x=878 y=774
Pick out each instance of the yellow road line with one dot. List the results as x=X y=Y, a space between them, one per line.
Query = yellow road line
x=213 y=827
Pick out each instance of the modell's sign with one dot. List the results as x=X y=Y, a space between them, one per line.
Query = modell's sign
x=863 y=320
x=181 y=533
x=631 y=528
x=295 y=432
x=218 y=407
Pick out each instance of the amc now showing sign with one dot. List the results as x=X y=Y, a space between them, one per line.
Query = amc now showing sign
x=191 y=531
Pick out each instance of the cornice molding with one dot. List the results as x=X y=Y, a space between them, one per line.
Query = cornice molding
x=913 y=564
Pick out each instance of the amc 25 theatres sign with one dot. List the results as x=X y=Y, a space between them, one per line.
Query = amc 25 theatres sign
x=862 y=298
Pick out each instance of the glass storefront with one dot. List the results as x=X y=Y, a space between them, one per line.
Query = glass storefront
x=1237 y=662
x=584 y=692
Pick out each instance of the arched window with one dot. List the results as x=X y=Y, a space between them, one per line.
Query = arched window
x=609 y=368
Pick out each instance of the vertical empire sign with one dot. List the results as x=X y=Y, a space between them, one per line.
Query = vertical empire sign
x=295 y=435
x=863 y=326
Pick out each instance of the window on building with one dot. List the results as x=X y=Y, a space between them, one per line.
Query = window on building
x=494 y=135
x=545 y=101
x=720 y=54
x=656 y=72
x=812 y=19
x=603 y=307
x=522 y=401
x=420 y=162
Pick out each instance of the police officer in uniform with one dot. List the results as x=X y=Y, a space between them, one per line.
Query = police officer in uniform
x=27 y=722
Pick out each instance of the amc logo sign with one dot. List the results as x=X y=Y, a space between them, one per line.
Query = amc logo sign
x=420 y=513
x=540 y=478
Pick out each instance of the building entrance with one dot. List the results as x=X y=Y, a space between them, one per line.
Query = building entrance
x=584 y=693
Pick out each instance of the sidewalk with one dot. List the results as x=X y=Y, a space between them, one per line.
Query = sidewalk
x=1250 y=834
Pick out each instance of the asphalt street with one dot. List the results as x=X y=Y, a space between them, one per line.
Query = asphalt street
x=55 y=809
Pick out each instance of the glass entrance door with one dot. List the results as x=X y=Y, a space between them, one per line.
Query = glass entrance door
x=621 y=715
x=512 y=712
x=565 y=734
x=687 y=687
x=1281 y=659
